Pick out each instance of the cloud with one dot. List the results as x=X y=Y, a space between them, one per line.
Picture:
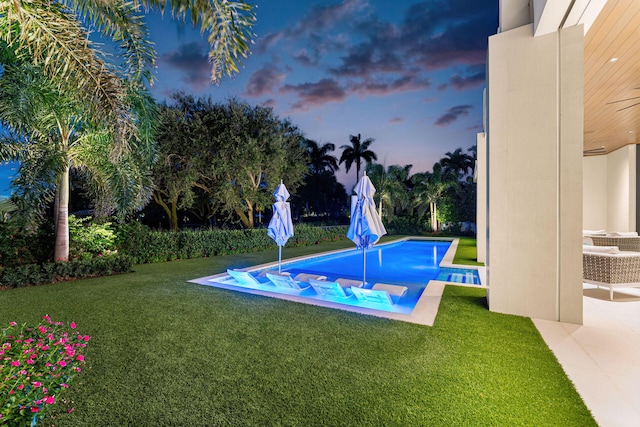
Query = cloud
x=264 y=81
x=453 y=114
x=354 y=50
x=395 y=120
x=319 y=19
x=477 y=78
x=190 y=60
x=315 y=94
x=380 y=87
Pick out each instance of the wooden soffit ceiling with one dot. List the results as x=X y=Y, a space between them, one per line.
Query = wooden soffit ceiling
x=612 y=78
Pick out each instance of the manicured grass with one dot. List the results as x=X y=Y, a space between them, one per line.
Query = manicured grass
x=466 y=253
x=167 y=352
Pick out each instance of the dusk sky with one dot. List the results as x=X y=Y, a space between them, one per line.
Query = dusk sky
x=408 y=73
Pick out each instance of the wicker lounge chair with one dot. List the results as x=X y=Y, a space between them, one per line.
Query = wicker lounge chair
x=611 y=270
x=624 y=243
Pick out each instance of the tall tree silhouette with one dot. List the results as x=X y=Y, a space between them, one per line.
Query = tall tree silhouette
x=357 y=152
x=458 y=162
x=319 y=158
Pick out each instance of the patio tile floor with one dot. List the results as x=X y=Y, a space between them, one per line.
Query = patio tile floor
x=602 y=356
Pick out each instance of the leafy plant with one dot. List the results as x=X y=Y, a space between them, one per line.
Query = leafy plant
x=36 y=274
x=37 y=364
x=90 y=238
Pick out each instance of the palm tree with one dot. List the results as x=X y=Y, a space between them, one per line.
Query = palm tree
x=319 y=158
x=429 y=190
x=390 y=186
x=54 y=35
x=52 y=38
x=458 y=162
x=356 y=152
x=54 y=132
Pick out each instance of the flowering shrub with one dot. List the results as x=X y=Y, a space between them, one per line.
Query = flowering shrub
x=36 y=365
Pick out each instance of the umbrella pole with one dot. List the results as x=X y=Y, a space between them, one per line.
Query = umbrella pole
x=364 y=267
x=279 y=258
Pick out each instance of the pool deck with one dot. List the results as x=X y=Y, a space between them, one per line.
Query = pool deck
x=424 y=312
x=602 y=356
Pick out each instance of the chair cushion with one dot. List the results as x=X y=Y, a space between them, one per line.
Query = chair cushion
x=601 y=249
x=624 y=234
x=594 y=233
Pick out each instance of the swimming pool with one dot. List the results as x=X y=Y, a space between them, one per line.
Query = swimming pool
x=411 y=263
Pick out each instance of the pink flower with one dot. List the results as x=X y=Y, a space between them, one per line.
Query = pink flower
x=35 y=409
x=30 y=361
x=49 y=400
x=11 y=392
x=87 y=337
x=61 y=363
x=21 y=387
x=65 y=385
x=73 y=325
x=70 y=410
x=80 y=358
x=42 y=329
x=15 y=363
x=13 y=324
x=36 y=384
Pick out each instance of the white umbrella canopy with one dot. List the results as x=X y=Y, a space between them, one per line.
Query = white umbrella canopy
x=366 y=227
x=280 y=227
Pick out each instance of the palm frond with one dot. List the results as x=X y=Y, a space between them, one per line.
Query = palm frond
x=47 y=35
x=229 y=25
x=121 y=21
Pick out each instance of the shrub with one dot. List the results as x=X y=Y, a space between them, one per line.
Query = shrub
x=18 y=247
x=406 y=225
x=87 y=239
x=36 y=274
x=37 y=364
x=147 y=246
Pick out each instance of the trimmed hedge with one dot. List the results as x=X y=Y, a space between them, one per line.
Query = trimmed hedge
x=36 y=274
x=146 y=246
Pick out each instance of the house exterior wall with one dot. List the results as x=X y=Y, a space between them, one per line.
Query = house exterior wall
x=481 y=198
x=534 y=147
x=595 y=191
x=621 y=186
x=610 y=191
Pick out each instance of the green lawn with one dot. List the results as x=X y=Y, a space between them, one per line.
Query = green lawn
x=466 y=253
x=168 y=352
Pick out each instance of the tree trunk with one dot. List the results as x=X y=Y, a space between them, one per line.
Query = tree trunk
x=61 y=251
x=246 y=217
x=172 y=212
x=434 y=216
x=380 y=208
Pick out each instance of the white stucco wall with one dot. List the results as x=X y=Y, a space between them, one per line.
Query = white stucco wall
x=534 y=146
x=481 y=198
x=594 y=200
x=609 y=191
x=621 y=186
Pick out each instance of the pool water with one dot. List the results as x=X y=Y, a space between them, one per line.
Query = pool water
x=409 y=263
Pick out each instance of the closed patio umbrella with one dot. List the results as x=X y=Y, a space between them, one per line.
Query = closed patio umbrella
x=280 y=226
x=366 y=227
